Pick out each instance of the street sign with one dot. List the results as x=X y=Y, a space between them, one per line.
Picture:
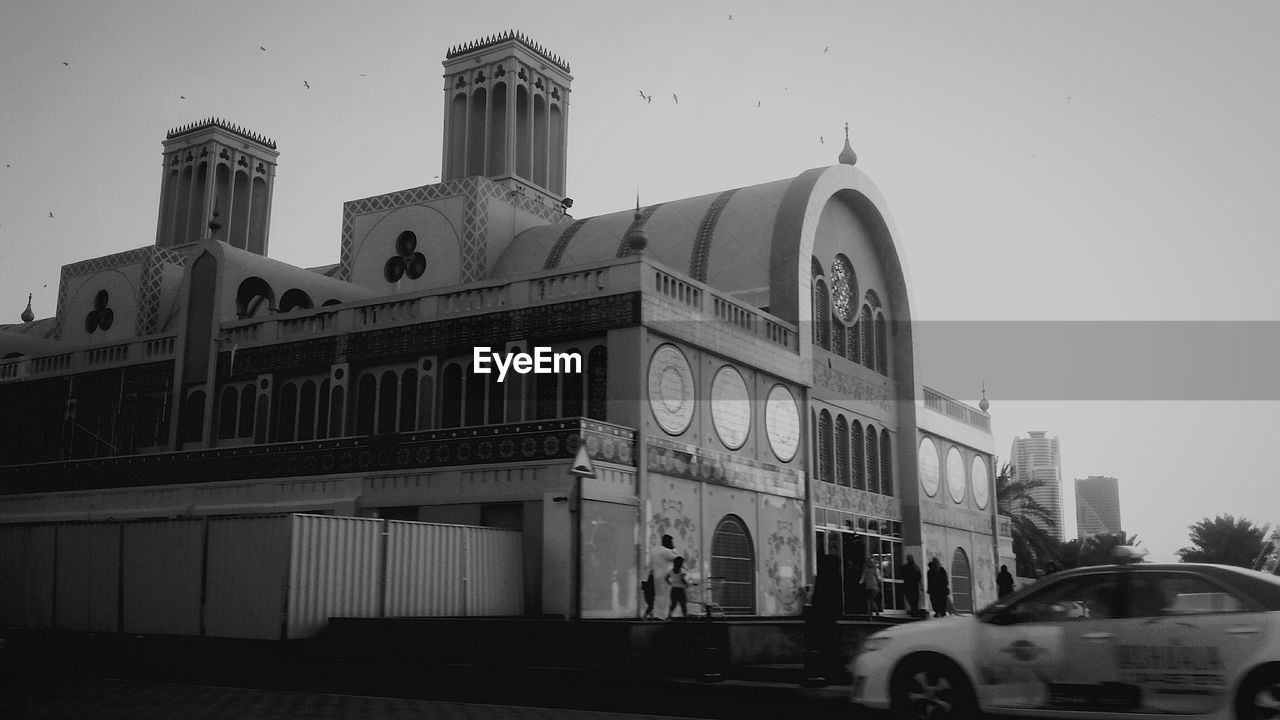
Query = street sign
x=582 y=466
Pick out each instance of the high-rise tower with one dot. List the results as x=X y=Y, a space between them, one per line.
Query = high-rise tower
x=1097 y=506
x=214 y=166
x=506 y=114
x=1036 y=457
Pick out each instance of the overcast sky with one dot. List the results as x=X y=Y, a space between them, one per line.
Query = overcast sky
x=1043 y=162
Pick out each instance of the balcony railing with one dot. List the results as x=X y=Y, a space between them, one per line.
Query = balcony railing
x=956 y=410
x=93 y=358
x=517 y=443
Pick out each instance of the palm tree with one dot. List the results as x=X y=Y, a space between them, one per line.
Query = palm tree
x=1226 y=541
x=1033 y=545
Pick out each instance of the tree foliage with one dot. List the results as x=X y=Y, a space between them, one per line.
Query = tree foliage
x=1226 y=541
x=1033 y=545
x=1094 y=550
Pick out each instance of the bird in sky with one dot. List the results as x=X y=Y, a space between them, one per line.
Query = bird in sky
x=182 y=97
x=262 y=48
x=730 y=17
x=364 y=74
x=826 y=49
x=642 y=94
x=757 y=103
x=306 y=84
x=50 y=213
x=821 y=141
x=676 y=98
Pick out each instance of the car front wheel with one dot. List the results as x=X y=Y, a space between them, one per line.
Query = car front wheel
x=931 y=687
x=1260 y=696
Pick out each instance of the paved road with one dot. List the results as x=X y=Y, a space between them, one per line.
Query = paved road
x=77 y=698
x=32 y=696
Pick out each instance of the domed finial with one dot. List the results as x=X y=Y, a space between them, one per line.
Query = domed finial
x=847 y=155
x=27 y=315
x=637 y=241
x=984 y=404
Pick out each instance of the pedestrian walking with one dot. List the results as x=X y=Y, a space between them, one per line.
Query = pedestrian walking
x=939 y=590
x=661 y=559
x=1004 y=581
x=679 y=583
x=912 y=578
x=872 y=580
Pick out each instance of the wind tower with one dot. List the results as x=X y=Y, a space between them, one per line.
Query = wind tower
x=506 y=114
x=211 y=166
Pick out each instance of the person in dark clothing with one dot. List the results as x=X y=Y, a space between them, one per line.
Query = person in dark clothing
x=939 y=590
x=911 y=580
x=1004 y=581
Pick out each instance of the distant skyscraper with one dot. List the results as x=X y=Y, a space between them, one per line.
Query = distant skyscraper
x=1097 y=506
x=1036 y=458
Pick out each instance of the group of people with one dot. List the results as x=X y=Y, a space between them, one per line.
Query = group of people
x=939 y=588
x=668 y=566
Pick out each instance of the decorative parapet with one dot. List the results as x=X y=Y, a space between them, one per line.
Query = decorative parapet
x=956 y=410
x=143 y=350
x=549 y=440
x=214 y=122
x=489 y=41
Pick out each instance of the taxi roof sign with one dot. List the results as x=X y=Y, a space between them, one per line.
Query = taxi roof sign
x=582 y=466
x=1124 y=554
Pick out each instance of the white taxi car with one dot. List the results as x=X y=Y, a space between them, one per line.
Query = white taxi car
x=1114 y=641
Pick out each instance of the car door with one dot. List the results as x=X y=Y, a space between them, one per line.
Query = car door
x=1051 y=648
x=1184 y=639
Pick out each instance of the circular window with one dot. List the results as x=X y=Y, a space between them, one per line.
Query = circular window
x=955 y=474
x=782 y=423
x=730 y=407
x=844 y=288
x=980 y=479
x=930 y=476
x=671 y=389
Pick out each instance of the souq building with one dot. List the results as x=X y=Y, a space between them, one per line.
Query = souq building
x=737 y=370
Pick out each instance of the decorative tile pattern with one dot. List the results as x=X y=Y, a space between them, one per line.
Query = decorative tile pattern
x=636 y=224
x=477 y=192
x=702 y=244
x=557 y=252
x=144 y=255
x=149 y=293
x=694 y=463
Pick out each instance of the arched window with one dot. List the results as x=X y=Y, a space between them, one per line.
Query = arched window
x=248 y=398
x=287 y=413
x=821 y=315
x=193 y=417
x=337 y=411
x=307 y=411
x=295 y=299
x=873 y=460
x=546 y=389
x=573 y=393
x=837 y=336
x=388 y=392
x=733 y=564
x=408 y=400
x=824 y=447
x=886 y=464
x=859 y=458
x=961 y=594
x=497 y=399
x=882 y=345
x=254 y=297
x=868 y=338
x=474 y=397
x=855 y=341
x=227 y=413
x=598 y=383
x=451 y=396
x=842 y=451
x=366 y=402
x=322 y=410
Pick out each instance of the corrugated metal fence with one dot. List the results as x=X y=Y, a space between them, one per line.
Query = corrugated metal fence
x=263 y=577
